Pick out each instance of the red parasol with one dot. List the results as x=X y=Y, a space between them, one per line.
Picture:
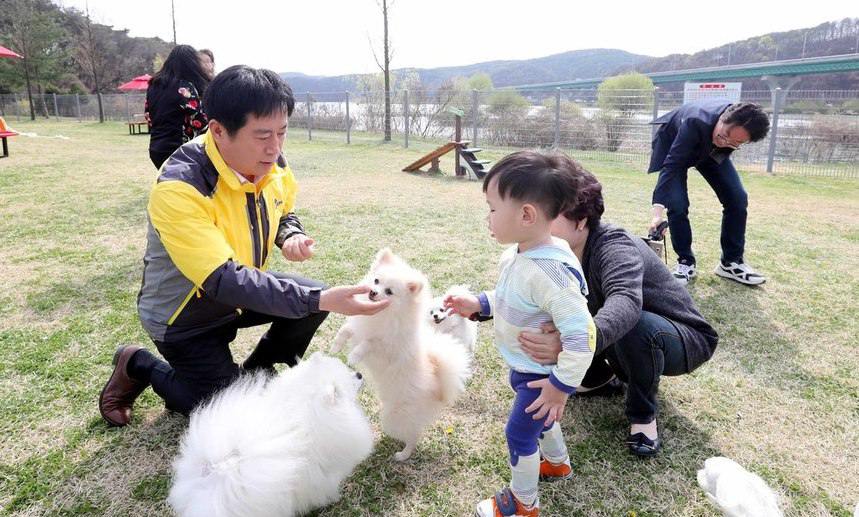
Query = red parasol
x=5 y=52
x=141 y=82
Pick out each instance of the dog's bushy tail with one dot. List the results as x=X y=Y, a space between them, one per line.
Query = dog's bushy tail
x=451 y=364
x=211 y=473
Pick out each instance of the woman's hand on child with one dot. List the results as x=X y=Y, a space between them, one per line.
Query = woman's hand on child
x=543 y=347
x=550 y=404
x=463 y=304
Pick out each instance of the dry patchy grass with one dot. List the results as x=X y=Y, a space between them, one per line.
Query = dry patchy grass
x=781 y=394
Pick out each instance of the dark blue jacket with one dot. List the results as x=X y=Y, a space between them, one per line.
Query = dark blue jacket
x=685 y=139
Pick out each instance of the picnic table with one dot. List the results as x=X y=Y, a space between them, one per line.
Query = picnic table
x=137 y=125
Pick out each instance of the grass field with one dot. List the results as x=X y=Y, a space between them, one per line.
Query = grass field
x=780 y=396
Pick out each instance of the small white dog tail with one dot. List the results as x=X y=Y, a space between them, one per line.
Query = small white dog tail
x=452 y=366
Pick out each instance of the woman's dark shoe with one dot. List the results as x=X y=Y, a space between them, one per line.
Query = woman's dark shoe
x=640 y=445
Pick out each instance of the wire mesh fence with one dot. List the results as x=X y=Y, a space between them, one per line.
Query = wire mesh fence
x=817 y=132
x=116 y=107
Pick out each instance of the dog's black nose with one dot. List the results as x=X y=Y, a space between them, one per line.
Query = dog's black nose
x=358 y=374
x=373 y=295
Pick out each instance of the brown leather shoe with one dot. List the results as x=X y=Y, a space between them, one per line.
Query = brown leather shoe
x=119 y=393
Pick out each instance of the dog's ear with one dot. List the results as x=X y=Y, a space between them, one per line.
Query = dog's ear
x=332 y=394
x=415 y=286
x=384 y=256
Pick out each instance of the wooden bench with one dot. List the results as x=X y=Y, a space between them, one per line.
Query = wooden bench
x=137 y=124
x=5 y=133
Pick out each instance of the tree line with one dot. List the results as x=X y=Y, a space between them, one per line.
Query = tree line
x=65 y=51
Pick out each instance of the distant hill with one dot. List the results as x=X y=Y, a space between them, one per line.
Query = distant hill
x=826 y=39
x=557 y=67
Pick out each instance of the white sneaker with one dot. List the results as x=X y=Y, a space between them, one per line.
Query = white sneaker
x=684 y=273
x=740 y=272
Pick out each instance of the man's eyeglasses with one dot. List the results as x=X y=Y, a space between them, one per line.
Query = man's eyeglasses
x=723 y=141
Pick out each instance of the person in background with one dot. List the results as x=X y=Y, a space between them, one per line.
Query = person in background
x=174 y=108
x=207 y=58
x=703 y=134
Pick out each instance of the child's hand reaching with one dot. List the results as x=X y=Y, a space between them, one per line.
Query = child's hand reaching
x=549 y=404
x=463 y=304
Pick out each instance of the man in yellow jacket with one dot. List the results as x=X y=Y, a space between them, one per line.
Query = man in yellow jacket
x=221 y=204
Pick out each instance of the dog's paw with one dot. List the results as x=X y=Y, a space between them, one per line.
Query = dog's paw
x=354 y=357
x=340 y=340
x=402 y=456
x=406 y=453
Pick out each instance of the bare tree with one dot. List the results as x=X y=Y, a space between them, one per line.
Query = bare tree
x=386 y=68
x=92 y=55
x=173 y=13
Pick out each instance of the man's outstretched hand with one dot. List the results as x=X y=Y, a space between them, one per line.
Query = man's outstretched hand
x=343 y=299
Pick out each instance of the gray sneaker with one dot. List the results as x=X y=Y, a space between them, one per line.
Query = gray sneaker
x=740 y=272
x=684 y=273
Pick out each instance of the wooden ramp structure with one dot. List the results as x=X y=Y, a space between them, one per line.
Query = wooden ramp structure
x=432 y=157
x=464 y=155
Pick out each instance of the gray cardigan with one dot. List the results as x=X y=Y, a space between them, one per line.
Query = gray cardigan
x=625 y=277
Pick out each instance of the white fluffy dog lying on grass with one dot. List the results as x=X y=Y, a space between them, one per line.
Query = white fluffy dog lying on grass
x=416 y=371
x=273 y=445
x=736 y=491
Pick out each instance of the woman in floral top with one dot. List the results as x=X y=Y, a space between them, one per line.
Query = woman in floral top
x=174 y=107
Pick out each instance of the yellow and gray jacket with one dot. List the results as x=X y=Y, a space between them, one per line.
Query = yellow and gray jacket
x=208 y=245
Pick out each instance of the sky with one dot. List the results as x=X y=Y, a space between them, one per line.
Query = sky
x=328 y=37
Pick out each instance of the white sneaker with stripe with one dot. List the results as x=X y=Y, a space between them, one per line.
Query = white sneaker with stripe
x=684 y=273
x=740 y=272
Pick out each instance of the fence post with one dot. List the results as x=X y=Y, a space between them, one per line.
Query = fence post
x=777 y=97
x=475 y=106
x=78 y=105
x=348 y=122
x=309 y=120
x=653 y=127
x=56 y=109
x=557 y=118
x=406 y=116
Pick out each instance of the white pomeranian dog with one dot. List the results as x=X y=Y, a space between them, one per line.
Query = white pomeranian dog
x=736 y=491
x=416 y=371
x=448 y=322
x=277 y=446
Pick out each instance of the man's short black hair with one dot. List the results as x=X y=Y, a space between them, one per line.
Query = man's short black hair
x=750 y=117
x=542 y=178
x=240 y=91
